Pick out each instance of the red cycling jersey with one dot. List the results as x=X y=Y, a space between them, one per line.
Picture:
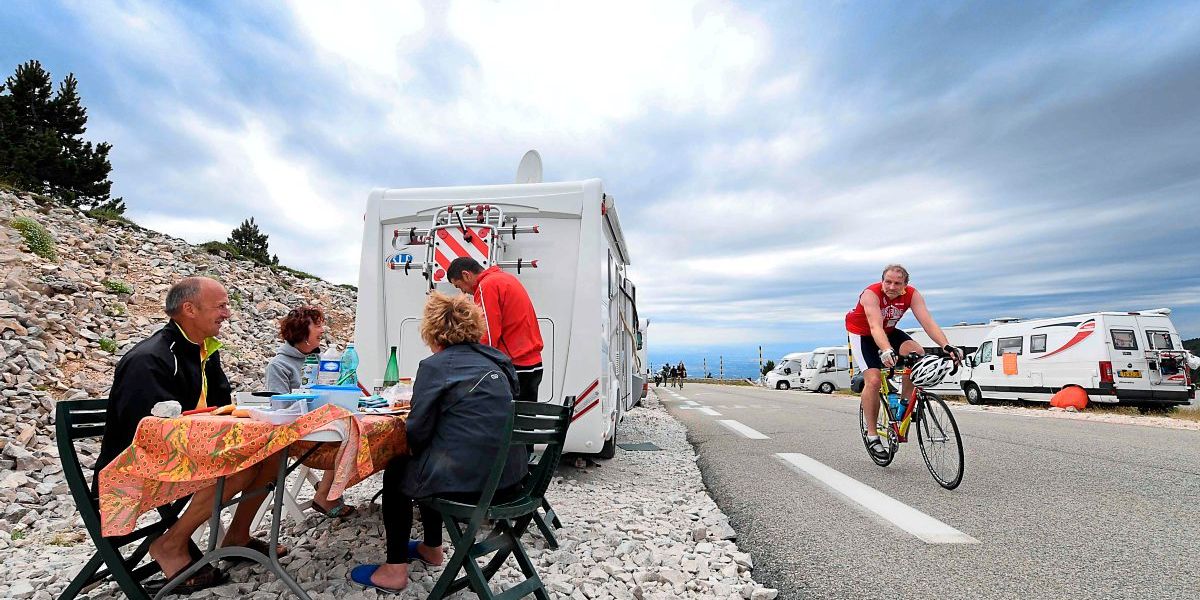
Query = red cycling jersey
x=892 y=310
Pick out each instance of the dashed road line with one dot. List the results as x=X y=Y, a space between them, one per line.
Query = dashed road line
x=915 y=522
x=710 y=412
x=743 y=429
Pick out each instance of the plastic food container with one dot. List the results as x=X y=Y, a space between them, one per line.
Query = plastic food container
x=279 y=401
x=280 y=416
x=345 y=396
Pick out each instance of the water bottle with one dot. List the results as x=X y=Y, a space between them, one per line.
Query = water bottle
x=901 y=406
x=391 y=375
x=894 y=404
x=349 y=374
x=330 y=367
x=308 y=375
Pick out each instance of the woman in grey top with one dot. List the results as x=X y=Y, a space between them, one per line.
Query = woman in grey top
x=301 y=331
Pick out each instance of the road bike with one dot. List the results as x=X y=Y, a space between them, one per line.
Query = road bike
x=937 y=432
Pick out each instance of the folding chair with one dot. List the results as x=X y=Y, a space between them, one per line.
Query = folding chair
x=530 y=423
x=79 y=419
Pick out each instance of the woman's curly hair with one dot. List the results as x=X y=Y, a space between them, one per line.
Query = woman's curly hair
x=450 y=320
x=294 y=327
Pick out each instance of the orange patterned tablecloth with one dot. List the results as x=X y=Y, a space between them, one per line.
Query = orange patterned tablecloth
x=171 y=458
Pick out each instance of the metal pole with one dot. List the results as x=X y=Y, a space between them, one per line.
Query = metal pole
x=704 y=371
x=760 y=361
x=722 y=359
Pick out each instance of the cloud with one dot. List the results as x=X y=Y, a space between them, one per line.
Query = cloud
x=768 y=159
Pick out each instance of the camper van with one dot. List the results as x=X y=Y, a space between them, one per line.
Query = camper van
x=967 y=336
x=828 y=369
x=1128 y=357
x=786 y=374
x=562 y=240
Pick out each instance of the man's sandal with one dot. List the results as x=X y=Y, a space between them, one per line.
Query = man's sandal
x=206 y=577
x=341 y=510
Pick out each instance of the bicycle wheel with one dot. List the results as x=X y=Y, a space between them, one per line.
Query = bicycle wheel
x=883 y=430
x=941 y=445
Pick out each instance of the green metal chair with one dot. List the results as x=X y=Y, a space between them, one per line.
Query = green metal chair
x=79 y=419
x=530 y=423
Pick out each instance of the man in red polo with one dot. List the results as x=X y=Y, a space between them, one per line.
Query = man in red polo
x=512 y=326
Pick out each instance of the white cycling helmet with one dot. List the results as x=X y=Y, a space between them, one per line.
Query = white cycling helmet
x=930 y=370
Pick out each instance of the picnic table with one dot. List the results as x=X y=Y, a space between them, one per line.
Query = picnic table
x=173 y=458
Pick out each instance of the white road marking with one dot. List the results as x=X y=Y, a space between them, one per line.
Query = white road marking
x=919 y=524
x=710 y=412
x=742 y=429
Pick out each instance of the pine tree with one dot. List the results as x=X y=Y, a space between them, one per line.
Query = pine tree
x=251 y=242
x=41 y=141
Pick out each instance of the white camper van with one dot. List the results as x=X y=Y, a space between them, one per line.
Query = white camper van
x=562 y=240
x=967 y=336
x=828 y=369
x=786 y=374
x=1128 y=357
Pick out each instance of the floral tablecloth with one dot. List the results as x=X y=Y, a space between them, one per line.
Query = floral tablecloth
x=171 y=458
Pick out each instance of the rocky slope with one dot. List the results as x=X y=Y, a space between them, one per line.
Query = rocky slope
x=66 y=321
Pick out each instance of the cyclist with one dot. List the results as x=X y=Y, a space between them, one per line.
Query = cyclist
x=682 y=374
x=876 y=343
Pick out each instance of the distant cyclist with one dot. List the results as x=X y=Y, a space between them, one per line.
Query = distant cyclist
x=682 y=375
x=876 y=343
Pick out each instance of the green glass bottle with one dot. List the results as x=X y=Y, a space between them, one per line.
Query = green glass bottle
x=391 y=376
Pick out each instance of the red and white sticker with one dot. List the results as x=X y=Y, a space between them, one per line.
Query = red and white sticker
x=454 y=243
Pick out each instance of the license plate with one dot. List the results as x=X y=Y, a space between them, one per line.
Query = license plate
x=1130 y=374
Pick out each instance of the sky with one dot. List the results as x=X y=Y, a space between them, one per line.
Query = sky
x=768 y=159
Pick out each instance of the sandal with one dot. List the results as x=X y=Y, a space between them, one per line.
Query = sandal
x=258 y=546
x=341 y=510
x=206 y=577
x=361 y=576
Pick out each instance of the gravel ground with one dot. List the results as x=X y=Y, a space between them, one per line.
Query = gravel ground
x=639 y=526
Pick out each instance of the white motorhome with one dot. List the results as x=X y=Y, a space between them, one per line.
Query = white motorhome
x=563 y=240
x=786 y=374
x=828 y=369
x=967 y=336
x=1128 y=357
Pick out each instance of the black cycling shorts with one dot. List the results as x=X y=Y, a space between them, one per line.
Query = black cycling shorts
x=866 y=351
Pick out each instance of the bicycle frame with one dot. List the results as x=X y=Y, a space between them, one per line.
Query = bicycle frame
x=900 y=427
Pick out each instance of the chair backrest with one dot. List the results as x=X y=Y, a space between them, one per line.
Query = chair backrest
x=76 y=420
x=542 y=423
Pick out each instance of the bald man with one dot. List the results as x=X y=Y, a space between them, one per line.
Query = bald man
x=182 y=362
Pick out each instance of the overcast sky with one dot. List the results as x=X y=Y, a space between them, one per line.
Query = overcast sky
x=1022 y=159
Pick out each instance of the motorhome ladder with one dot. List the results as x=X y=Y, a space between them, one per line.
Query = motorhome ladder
x=477 y=231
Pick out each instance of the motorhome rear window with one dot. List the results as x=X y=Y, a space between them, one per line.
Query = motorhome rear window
x=1124 y=339
x=1037 y=343
x=1160 y=340
x=1010 y=345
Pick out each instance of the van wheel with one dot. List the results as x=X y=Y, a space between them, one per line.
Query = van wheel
x=974 y=396
x=826 y=388
x=609 y=450
x=783 y=385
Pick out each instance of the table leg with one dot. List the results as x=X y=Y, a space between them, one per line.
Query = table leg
x=270 y=561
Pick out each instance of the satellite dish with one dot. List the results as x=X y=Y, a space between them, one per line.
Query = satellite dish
x=530 y=170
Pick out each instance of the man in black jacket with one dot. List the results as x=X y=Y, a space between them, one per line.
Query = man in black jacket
x=181 y=362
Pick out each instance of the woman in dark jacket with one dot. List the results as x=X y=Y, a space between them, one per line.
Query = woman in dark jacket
x=462 y=397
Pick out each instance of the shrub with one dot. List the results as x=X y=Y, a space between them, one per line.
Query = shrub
x=108 y=345
x=36 y=237
x=109 y=214
x=215 y=247
x=116 y=286
x=296 y=272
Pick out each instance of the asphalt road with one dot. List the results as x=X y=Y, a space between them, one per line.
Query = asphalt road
x=1059 y=508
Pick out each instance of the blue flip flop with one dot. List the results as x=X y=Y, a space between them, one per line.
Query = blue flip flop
x=414 y=555
x=361 y=575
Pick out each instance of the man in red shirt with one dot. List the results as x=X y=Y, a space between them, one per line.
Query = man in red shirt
x=876 y=342
x=512 y=326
